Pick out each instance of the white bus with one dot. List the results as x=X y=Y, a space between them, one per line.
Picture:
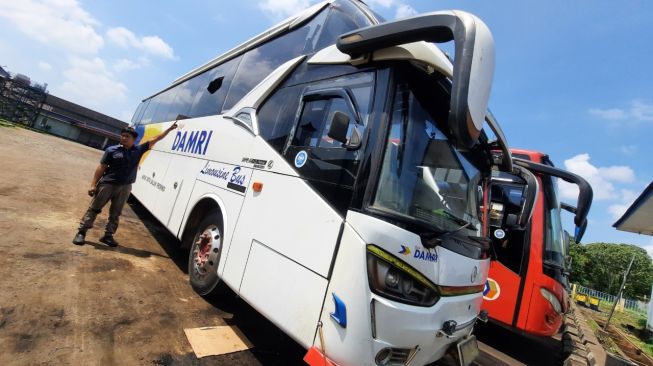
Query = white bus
x=333 y=171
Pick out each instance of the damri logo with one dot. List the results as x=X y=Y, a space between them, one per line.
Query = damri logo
x=195 y=142
x=420 y=253
x=404 y=250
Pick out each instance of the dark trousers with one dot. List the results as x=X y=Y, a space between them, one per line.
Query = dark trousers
x=118 y=195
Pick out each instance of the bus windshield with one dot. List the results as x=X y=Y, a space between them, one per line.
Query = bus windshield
x=423 y=177
x=554 y=250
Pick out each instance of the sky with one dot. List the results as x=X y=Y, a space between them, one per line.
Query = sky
x=572 y=79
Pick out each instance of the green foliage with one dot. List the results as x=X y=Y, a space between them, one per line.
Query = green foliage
x=601 y=266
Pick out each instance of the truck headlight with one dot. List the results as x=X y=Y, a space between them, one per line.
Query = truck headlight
x=394 y=279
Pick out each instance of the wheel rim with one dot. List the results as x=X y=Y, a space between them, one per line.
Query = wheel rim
x=206 y=252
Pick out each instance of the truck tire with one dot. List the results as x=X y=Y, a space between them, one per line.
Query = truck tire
x=205 y=253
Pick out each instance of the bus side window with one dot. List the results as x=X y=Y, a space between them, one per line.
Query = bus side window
x=165 y=102
x=313 y=127
x=212 y=88
x=138 y=115
x=343 y=18
x=184 y=96
x=148 y=115
x=276 y=116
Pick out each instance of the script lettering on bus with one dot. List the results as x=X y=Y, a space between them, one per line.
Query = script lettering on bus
x=236 y=178
x=194 y=142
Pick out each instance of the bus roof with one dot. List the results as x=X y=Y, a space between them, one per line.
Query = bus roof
x=281 y=28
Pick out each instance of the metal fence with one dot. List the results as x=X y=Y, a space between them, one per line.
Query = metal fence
x=631 y=304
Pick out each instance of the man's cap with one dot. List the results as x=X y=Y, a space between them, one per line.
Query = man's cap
x=130 y=130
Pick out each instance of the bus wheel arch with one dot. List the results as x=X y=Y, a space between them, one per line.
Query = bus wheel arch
x=203 y=235
x=201 y=209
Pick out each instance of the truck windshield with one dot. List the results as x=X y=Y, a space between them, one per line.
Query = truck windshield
x=423 y=177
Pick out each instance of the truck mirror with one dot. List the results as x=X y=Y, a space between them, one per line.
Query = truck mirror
x=473 y=64
x=339 y=126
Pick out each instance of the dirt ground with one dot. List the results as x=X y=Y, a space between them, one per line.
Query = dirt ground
x=62 y=304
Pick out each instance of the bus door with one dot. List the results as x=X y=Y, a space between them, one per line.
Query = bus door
x=287 y=233
x=510 y=248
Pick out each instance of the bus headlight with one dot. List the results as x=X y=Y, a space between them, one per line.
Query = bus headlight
x=552 y=299
x=394 y=279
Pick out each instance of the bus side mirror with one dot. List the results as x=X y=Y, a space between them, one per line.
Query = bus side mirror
x=473 y=64
x=580 y=231
x=585 y=195
x=339 y=126
x=356 y=138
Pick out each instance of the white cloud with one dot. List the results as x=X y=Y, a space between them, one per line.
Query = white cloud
x=402 y=10
x=622 y=174
x=627 y=198
x=58 y=23
x=649 y=249
x=611 y=114
x=125 y=38
x=638 y=111
x=89 y=83
x=279 y=9
x=600 y=178
x=641 y=111
x=124 y=64
x=156 y=46
x=44 y=66
x=405 y=11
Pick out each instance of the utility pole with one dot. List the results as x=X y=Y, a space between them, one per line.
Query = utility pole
x=621 y=289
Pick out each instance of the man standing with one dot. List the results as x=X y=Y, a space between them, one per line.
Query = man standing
x=112 y=181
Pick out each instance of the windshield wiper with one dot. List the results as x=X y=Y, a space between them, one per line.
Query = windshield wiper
x=430 y=236
x=431 y=240
x=452 y=217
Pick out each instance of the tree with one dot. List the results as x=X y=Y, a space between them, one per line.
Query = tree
x=601 y=266
x=579 y=262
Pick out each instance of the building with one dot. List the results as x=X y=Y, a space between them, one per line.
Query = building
x=26 y=102
x=74 y=122
x=638 y=218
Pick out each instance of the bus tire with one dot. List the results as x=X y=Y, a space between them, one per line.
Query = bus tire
x=205 y=253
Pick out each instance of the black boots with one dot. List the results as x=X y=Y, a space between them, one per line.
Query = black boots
x=80 y=238
x=108 y=240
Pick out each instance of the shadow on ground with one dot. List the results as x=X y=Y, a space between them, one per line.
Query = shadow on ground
x=271 y=345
